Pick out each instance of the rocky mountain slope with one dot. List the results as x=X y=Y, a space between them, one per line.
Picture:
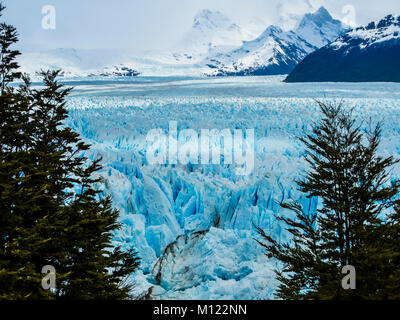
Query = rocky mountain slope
x=319 y=28
x=274 y=52
x=277 y=51
x=364 y=54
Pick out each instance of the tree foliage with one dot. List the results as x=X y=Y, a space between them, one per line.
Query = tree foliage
x=357 y=223
x=51 y=209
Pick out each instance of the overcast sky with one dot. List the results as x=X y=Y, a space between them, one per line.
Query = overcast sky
x=156 y=24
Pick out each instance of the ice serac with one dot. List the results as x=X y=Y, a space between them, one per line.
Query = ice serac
x=274 y=52
x=212 y=264
x=193 y=225
x=319 y=28
x=365 y=54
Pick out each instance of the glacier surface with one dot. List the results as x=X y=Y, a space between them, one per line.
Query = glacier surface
x=193 y=225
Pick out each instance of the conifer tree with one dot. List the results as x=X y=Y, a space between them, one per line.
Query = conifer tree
x=51 y=211
x=353 y=182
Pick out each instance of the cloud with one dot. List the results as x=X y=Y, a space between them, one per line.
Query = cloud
x=158 y=24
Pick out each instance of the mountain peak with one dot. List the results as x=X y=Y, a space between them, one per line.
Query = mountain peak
x=271 y=30
x=203 y=14
x=388 y=21
x=319 y=28
x=211 y=32
x=323 y=12
x=376 y=32
x=319 y=17
x=211 y=19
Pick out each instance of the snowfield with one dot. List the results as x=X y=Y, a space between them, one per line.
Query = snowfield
x=193 y=225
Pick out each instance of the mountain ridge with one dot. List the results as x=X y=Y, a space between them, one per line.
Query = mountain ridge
x=277 y=51
x=274 y=52
x=363 y=54
x=319 y=28
x=213 y=46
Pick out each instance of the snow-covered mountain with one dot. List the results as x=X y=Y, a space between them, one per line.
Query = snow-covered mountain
x=214 y=45
x=277 y=51
x=319 y=28
x=78 y=63
x=274 y=52
x=210 y=33
x=369 y=53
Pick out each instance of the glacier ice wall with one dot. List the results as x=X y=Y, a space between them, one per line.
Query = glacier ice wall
x=193 y=225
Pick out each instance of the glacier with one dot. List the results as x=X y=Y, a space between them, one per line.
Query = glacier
x=194 y=225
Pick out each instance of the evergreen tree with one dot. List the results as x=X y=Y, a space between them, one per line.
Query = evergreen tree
x=51 y=212
x=8 y=65
x=13 y=114
x=389 y=249
x=354 y=184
